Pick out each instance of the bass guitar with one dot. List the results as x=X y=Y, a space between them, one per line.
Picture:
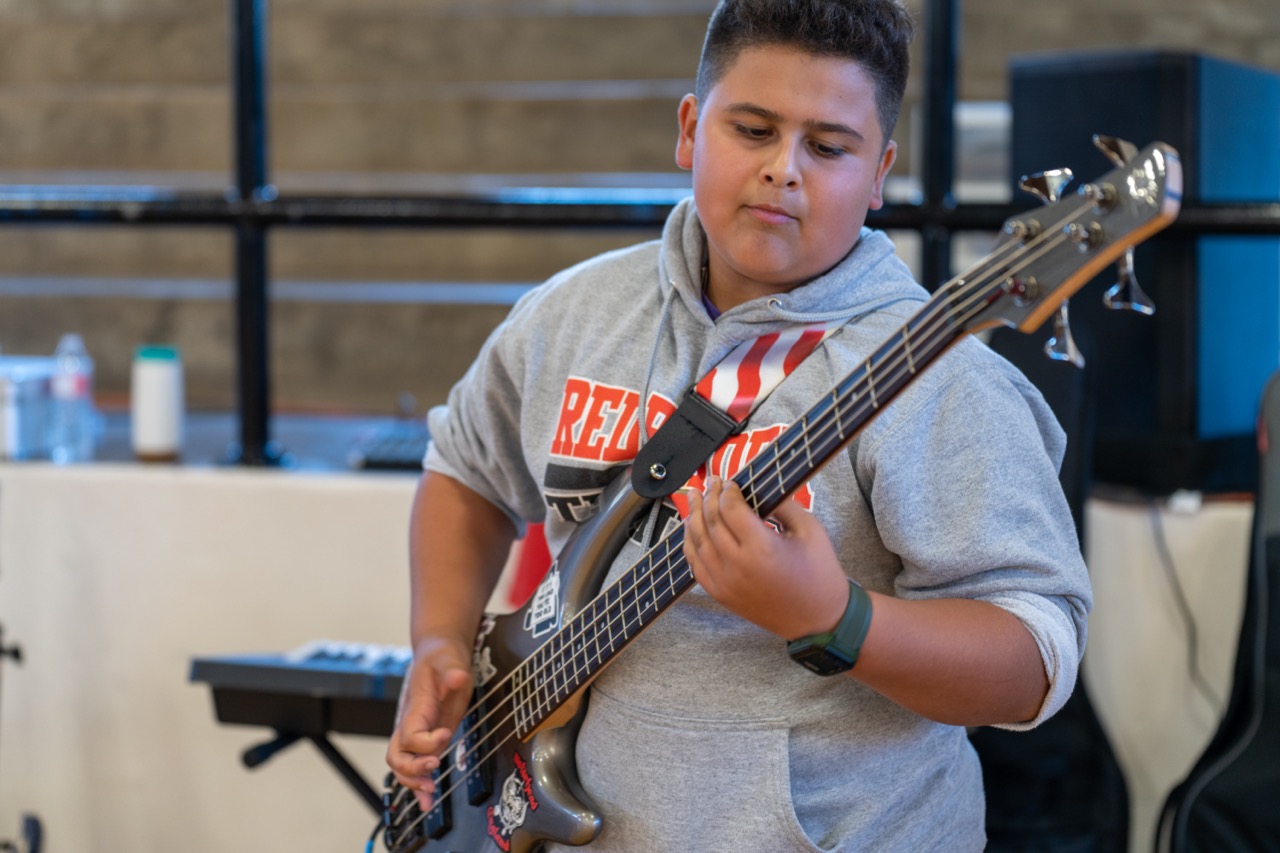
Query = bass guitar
x=508 y=782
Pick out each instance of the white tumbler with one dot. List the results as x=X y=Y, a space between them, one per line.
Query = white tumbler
x=156 y=403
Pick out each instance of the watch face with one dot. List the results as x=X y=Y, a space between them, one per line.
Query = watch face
x=821 y=660
x=837 y=650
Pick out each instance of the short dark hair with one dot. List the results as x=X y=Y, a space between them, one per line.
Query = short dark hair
x=874 y=33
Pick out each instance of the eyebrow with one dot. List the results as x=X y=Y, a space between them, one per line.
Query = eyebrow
x=811 y=124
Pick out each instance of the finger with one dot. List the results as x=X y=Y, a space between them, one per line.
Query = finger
x=793 y=518
x=430 y=742
x=455 y=695
x=422 y=789
x=693 y=524
x=729 y=516
x=412 y=769
x=699 y=550
x=711 y=505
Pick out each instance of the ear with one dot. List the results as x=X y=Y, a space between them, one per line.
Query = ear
x=882 y=171
x=688 y=118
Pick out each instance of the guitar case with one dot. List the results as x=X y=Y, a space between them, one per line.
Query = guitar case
x=1230 y=799
x=1057 y=788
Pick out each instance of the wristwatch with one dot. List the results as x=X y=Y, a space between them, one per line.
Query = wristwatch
x=836 y=651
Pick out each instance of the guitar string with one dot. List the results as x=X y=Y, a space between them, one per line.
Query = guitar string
x=934 y=320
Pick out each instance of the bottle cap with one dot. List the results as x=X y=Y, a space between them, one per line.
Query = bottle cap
x=156 y=352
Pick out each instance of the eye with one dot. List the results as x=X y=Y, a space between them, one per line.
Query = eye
x=751 y=132
x=831 y=152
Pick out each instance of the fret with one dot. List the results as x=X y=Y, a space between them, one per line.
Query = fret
x=595 y=635
x=644 y=591
x=835 y=406
x=557 y=671
x=524 y=701
x=575 y=660
x=551 y=685
x=520 y=700
x=675 y=556
x=528 y=693
x=532 y=706
x=871 y=384
x=906 y=342
x=777 y=468
x=657 y=577
x=609 y=608
x=534 y=703
x=808 y=445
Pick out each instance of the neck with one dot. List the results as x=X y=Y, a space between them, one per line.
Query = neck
x=726 y=290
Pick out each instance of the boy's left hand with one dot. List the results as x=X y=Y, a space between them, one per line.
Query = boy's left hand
x=789 y=583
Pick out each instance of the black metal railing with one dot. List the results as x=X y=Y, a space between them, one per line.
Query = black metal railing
x=252 y=207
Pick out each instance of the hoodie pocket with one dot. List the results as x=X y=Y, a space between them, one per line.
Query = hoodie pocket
x=688 y=784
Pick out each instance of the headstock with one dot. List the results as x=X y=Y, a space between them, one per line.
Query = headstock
x=1047 y=254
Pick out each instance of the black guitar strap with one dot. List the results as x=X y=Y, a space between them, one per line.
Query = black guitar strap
x=719 y=406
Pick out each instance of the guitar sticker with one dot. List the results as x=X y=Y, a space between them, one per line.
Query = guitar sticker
x=482 y=668
x=543 y=615
x=516 y=803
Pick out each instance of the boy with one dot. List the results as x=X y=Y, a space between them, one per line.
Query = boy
x=938 y=542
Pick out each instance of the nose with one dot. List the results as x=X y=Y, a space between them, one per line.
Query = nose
x=781 y=167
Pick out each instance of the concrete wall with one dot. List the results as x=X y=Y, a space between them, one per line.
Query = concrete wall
x=393 y=96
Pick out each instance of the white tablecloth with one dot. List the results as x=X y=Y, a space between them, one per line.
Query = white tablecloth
x=112 y=577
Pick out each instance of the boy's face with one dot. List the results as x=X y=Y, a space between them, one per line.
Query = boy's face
x=787 y=157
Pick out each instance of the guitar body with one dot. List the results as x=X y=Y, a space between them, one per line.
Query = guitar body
x=513 y=796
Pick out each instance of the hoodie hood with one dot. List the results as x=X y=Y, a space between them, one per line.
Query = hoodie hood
x=869 y=278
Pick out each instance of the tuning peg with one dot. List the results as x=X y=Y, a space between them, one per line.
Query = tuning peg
x=1118 y=151
x=1046 y=186
x=1125 y=294
x=1062 y=347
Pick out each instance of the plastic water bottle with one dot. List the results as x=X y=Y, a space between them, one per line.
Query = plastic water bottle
x=71 y=416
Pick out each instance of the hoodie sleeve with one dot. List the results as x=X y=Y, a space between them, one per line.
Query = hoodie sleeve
x=475 y=435
x=962 y=476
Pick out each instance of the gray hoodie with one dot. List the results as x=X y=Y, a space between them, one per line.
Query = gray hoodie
x=703 y=735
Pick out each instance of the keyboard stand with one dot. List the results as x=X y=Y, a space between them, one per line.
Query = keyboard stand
x=255 y=756
x=309 y=696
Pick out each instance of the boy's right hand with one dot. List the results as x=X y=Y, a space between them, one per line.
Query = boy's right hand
x=436 y=692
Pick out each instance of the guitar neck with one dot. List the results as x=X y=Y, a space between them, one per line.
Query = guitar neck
x=822 y=432
x=576 y=653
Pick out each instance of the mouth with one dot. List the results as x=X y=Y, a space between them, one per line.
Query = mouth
x=771 y=214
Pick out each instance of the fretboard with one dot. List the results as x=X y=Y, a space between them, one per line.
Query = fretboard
x=588 y=641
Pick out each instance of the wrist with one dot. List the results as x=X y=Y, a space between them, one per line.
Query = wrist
x=835 y=651
x=825 y=616
x=430 y=640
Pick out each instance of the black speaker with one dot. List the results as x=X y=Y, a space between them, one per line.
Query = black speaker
x=1177 y=392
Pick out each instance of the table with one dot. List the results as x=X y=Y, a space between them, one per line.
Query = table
x=114 y=575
